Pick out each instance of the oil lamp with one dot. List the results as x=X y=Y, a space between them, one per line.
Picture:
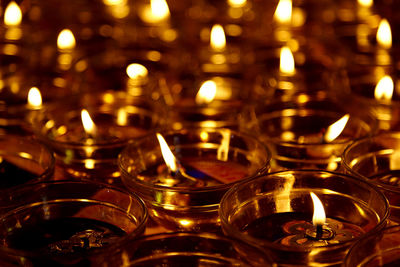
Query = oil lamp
x=182 y=174
x=89 y=131
x=305 y=131
x=303 y=217
x=379 y=249
x=376 y=160
x=68 y=222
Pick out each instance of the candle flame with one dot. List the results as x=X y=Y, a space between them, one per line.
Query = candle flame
x=136 y=71
x=122 y=117
x=237 y=3
x=384 y=88
x=34 y=97
x=12 y=14
x=217 y=39
x=87 y=122
x=365 y=3
x=206 y=93
x=283 y=12
x=66 y=40
x=336 y=128
x=158 y=11
x=286 y=65
x=167 y=154
x=384 y=34
x=223 y=149
x=319 y=216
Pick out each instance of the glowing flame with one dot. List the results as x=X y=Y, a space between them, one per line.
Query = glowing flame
x=217 y=39
x=286 y=65
x=283 y=12
x=384 y=34
x=136 y=71
x=319 y=216
x=66 y=40
x=158 y=11
x=384 y=88
x=12 y=14
x=365 y=3
x=88 y=124
x=223 y=149
x=206 y=93
x=168 y=157
x=34 y=97
x=237 y=3
x=336 y=128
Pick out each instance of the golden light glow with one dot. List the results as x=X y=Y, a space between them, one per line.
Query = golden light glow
x=167 y=154
x=217 y=37
x=237 y=3
x=158 y=11
x=89 y=164
x=122 y=117
x=34 y=97
x=12 y=14
x=283 y=12
x=66 y=40
x=336 y=128
x=286 y=65
x=384 y=34
x=206 y=93
x=319 y=216
x=223 y=149
x=365 y=3
x=384 y=88
x=136 y=71
x=87 y=122
x=114 y=2
x=282 y=196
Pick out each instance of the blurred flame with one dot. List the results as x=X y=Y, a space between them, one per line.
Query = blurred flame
x=12 y=14
x=384 y=34
x=336 y=128
x=66 y=40
x=319 y=216
x=384 y=88
x=217 y=39
x=286 y=65
x=223 y=149
x=136 y=71
x=158 y=11
x=365 y=3
x=168 y=157
x=206 y=93
x=88 y=124
x=283 y=12
x=34 y=97
x=122 y=117
x=237 y=3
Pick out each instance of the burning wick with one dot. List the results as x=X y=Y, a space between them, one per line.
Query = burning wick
x=319 y=218
x=175 y=168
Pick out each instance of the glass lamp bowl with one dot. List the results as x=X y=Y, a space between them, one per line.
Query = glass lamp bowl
x=67 y=222
x=187 y=249
x=295 y=129
x=376 y=250
x=118 y=117
x=376 y=159
x=24 y=160
x=275 y=212
x=190 y=201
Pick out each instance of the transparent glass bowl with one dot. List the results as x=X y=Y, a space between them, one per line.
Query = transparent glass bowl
x=376 y=159
x=178 y=202
x=23 y=160
x=376 y=250
x=118 y=117
x=295 y=129
x=275 y=211
x=68 y=222
x=187 y=249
